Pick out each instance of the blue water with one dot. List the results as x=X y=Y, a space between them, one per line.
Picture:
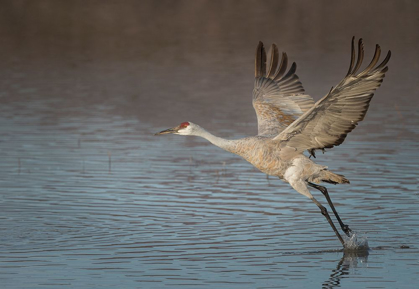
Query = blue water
x=96 y=201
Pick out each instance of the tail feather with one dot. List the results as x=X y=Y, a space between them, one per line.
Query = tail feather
x=331 y=178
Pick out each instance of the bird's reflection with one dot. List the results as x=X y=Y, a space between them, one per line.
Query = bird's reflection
x=348 y=261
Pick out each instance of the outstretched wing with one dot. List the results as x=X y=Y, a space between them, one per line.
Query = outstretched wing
x=328 y=122
x=278 y=99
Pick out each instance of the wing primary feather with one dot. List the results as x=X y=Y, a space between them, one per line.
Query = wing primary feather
x=384 y=70
x=360 y=56
x=260 y=61
x=384 y=63
x=263 y=62
x=291 y=71
x=282 y=66
x=373 y=61
x=351 y=65
x=274 y=61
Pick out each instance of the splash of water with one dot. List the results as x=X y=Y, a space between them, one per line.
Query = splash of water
x=356 y=242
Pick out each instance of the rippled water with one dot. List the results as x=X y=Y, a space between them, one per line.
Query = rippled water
x=90 y=198
x=98 y=201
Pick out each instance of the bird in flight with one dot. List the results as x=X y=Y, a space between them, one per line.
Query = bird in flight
x=290 y=122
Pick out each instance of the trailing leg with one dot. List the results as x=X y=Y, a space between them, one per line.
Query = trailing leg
x=301 y=187
x=326 y=214
x=324 y=191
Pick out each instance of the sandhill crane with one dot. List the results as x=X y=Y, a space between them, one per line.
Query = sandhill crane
x=289 y=122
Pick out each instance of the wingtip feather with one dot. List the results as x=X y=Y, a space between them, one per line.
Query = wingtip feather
x=282 y=67
x=360 y=56
x=273 y=65
x=351 y=65
x=260 y=60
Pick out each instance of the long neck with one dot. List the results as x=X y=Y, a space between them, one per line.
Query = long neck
x=215 y=140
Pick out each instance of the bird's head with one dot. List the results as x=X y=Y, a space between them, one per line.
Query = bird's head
x=185 y=128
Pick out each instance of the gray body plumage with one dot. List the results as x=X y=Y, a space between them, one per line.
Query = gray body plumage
x=269 y=157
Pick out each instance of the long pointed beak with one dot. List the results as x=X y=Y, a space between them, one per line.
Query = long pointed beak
x=166 y=131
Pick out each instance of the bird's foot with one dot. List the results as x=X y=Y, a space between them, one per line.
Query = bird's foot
x=347 y=230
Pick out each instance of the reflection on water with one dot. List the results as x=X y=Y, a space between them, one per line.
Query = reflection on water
x=89 y=198
x=349 y=261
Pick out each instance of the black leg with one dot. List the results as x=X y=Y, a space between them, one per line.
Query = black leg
x=326 y=214
x=322 y=189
